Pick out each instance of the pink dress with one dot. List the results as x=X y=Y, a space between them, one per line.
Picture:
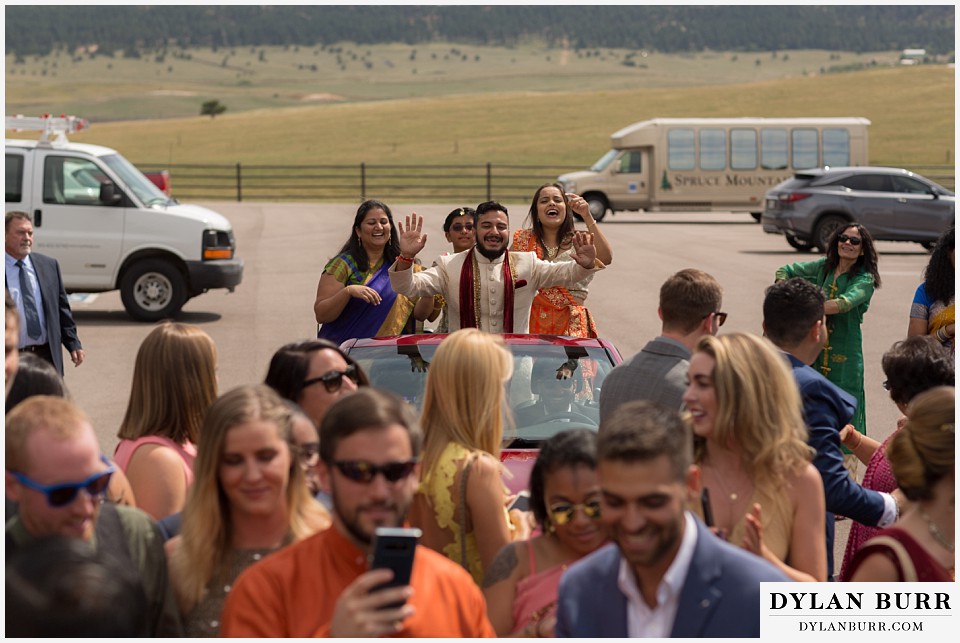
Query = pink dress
x=536 y=594
x=187 y=452
x=879 y=477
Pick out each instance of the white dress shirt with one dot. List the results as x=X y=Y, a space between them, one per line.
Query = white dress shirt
x=644 y=621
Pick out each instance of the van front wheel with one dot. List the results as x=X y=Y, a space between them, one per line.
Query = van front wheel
x=152 y=290
x=598 y=205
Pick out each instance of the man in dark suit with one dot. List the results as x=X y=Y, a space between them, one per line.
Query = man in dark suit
x=793 y=319
x=689 y=308
x=665 y=574
x=35 y=283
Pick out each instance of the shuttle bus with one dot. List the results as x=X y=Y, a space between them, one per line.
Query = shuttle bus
x=712 y=164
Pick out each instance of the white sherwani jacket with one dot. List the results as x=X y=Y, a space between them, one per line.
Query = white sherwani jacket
x=444 y=279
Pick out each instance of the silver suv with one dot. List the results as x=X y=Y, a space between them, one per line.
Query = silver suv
x=893 y=204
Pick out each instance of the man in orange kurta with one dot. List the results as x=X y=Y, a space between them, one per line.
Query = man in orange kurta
x=322 y=586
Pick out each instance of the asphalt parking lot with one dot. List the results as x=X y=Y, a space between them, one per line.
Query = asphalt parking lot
x=285 y=247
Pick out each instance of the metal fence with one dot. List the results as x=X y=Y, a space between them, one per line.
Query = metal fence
x=457 y=183
x=448 y=183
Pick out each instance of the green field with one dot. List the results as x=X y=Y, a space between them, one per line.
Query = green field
x=463 y=104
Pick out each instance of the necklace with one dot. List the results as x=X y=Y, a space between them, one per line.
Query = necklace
x=551 y=252
x=936 y=533
x=733 y=493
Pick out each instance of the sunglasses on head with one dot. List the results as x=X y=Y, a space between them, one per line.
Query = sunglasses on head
x=333 y=380
x=854 y=241
x=365 y=472
x=563 y=512
x=460 y=227
x=62 y=494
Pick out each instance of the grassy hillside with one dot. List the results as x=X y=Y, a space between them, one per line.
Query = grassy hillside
x=464 y=104
x=175 y=83
x=912 y=111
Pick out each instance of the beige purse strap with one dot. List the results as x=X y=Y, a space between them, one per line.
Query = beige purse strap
x=462 y=510
x=907 y=570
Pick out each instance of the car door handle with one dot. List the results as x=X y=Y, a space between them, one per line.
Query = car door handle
x=37 y=217
x=901 y=199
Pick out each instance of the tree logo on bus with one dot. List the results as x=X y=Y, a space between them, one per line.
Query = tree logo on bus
x=665 y=182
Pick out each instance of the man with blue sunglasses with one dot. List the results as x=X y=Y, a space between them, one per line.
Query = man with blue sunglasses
x=58 y=477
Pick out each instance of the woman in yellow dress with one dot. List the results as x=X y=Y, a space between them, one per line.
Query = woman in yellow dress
x=461 y=505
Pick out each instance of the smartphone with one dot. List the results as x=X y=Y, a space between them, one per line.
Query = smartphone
x=394 y=549
x=707 y=509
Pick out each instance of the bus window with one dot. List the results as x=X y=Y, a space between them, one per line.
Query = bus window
x=680 y=152
x=773 y=149
x=743 y=149
x=836 y=147
x=713 y=149
x=805 y=149
x=630 y=163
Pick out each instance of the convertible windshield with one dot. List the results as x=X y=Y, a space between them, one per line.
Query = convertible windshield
x=538 y=372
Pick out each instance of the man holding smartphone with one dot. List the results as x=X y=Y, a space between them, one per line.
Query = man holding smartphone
x=323 y=586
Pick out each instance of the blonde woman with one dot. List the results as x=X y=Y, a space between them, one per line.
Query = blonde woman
x=248 y=500
x=461 y=504
x=174 y=383
x=751 y=447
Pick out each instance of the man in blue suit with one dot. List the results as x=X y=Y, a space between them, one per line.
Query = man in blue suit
x=665 y=574
x=35 y=283
x=793 y=319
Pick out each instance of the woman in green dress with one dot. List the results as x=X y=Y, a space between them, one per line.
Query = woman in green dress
x=848 y=276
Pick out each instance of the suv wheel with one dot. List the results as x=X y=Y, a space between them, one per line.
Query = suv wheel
x=801 y=245
x=153 y=289
x=825 y=228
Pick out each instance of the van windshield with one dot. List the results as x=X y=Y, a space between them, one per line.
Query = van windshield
x=604 y=161
x=140 y=185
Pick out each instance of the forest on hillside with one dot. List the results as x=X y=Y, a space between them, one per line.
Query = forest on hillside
x=129 y=30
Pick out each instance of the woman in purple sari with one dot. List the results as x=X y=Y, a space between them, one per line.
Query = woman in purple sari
x=354 y=296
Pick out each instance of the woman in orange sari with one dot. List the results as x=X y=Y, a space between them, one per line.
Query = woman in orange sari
x=557 y=310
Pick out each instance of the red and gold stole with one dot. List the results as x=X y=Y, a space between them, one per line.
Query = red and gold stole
x=470 y=293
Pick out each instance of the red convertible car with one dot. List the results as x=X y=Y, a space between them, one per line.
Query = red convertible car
x=541 y=404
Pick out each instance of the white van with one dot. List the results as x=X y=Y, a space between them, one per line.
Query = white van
x=110 y=227
x=713 y=164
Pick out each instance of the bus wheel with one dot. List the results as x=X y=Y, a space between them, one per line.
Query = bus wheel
x=826 y=227
x=598 y=205
x=799 y=244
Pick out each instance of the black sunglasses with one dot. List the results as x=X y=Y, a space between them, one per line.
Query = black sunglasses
x=365 y=472
x=61 y=495
x=854 y=241
x=460 y=227
x=333 y=380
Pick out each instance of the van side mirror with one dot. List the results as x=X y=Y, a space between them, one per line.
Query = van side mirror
x=109 y=194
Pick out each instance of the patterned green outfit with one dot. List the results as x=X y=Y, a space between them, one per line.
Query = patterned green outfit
x=841 y=361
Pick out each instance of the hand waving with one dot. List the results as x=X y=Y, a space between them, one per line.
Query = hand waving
x=411 y=240
x=584 y=252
